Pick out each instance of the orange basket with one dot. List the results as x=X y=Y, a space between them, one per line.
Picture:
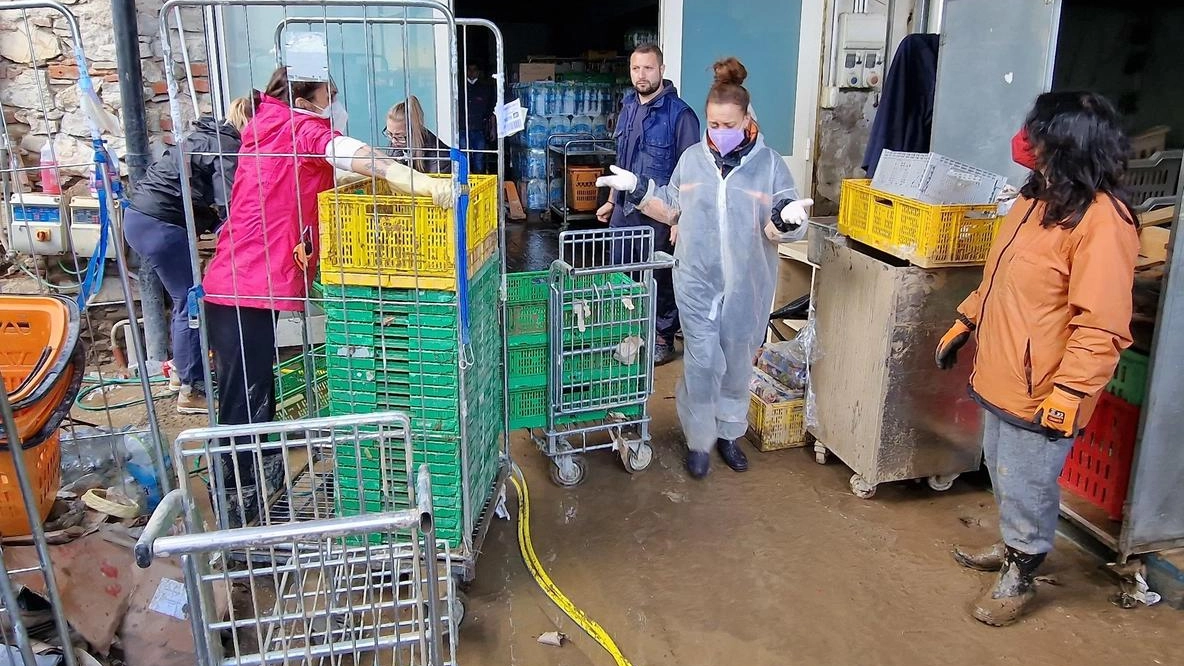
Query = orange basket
x=43 y=460
x=37 y=339
x=47 y=413
x=581 y=188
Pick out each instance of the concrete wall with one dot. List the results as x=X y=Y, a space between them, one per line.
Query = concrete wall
x=39 y=95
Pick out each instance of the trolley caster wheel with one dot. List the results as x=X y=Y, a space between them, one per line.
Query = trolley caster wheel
x=861 y=488
x=821 y=455
x=568 y=471
x=459 y=607
x=941 y=483
x=638 y=459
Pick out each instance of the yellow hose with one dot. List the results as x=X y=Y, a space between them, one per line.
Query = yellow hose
x=544 y=581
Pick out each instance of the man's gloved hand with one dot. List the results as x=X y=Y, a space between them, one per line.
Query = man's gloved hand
x=409 y=181
x=954 y=339
x=793 y=215
x=621 y=180
x=1058 y=413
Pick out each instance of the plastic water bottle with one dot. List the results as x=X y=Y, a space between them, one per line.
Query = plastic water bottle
x=556 y=191
x=536 y=163
x=569 y=100
x=581 y=125
x=537 y=130
x=559 y=125
x=142 y=470
x=49 y=170
x=600 y=127
x=552 y=102
x=536 y=194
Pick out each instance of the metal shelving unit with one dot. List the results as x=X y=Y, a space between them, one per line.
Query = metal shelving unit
x=587 y=150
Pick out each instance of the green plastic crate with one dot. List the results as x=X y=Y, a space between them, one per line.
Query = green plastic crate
x=1130 y=378
x=528 y=409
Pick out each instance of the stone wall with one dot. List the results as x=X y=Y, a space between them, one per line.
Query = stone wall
x=39 y=95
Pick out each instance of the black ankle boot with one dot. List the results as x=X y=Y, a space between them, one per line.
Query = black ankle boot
x=732 y=455
x=698 y=463
x=1013 y=591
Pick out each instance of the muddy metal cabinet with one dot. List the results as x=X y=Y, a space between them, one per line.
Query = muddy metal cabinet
x=883 y=407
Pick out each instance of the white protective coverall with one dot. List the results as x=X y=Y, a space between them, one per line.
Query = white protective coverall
x=724 y=281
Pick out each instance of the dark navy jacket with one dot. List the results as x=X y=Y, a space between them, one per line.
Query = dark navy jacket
x=668 y=128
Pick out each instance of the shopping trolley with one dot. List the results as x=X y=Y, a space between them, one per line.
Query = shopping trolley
x=307 y=577
x=601 y=321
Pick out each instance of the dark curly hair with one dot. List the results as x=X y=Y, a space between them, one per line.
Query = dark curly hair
x=1081 y=150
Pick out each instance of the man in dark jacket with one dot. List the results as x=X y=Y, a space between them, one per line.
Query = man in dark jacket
x=476 y=114
x=654 y=128
x=154 y=226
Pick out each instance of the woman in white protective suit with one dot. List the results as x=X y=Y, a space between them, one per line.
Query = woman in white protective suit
x=730 y=201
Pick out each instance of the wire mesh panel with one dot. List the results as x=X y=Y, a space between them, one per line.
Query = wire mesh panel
x=600 y=318
x=378 y=232
x=301 y=575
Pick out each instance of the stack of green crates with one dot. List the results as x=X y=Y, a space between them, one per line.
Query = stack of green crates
x=529 y=362
x=291 y=398
x=397 y=349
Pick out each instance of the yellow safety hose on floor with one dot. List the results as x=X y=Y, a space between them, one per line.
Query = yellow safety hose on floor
x=544 y=581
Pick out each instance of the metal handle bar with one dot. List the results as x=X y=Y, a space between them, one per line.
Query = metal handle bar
x=152 y=543
x=660 y=261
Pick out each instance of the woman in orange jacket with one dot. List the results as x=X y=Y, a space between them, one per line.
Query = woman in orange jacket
x=1051 y=315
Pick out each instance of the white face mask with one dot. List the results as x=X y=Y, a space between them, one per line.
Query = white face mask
x=335 y=113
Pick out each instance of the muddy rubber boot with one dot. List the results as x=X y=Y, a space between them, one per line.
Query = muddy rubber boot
x=698 y=463
x=988 y=558
x=664 y=351
x=1013 y=591
x=732 y=455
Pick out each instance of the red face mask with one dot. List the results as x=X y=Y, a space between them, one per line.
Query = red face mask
x=1021 y=150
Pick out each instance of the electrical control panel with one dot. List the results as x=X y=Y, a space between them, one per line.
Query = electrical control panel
x=37 y=224
x=85 y=227
x=860 y=51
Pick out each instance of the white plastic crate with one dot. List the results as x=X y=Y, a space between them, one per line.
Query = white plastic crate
x=1154 y=181
x=935 y=179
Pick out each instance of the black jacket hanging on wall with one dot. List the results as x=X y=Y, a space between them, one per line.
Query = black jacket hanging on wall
x=904 y=119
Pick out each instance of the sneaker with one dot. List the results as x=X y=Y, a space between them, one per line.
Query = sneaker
x=190 y=401
x=664 y=352
x=174 y=377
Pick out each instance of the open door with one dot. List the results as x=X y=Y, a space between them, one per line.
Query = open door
x=996 y=58
x=779 y=41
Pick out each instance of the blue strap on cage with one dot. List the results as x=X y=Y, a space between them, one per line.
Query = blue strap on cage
x=192 y=309
x=462 y=245
x=92 y=280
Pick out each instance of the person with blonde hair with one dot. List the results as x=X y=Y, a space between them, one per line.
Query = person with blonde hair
x=412 y=143
x=154 y=227
x=730 y=201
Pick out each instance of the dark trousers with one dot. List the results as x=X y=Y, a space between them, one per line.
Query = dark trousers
x=666 y=309
x=243 y=342
x=474 y=139
x=165 y=248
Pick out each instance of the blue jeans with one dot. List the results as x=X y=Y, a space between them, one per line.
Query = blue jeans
x=474 y=139
x=165 y=247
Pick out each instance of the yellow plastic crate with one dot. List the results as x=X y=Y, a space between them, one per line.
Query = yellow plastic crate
x=926 y=235
x=371 y=237
x=776 y=425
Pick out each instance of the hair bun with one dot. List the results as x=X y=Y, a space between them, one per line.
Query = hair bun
x=730 y=71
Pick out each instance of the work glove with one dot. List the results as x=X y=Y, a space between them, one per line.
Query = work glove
x=621 y=180
x=409 y=181
x=1058 y=413
x=792 y=215
x=954 y=339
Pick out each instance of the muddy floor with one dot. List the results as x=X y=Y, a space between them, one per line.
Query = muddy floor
x=780 y=565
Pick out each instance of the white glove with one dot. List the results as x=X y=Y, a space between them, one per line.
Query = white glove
x=408 y=181
x=621 y=180
x=795 y=212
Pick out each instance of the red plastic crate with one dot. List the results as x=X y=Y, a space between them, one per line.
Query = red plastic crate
x=1099 y=465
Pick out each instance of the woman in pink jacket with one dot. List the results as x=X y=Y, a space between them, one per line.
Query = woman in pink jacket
x=266 y=253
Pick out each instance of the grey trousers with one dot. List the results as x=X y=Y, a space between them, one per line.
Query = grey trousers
x=1024 y=467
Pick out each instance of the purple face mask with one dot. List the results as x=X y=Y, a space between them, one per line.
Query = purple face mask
x=726 y=139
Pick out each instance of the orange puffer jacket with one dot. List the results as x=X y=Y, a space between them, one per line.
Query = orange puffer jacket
x=1053 y=309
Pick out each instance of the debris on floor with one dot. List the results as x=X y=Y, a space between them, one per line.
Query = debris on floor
x=553 y=638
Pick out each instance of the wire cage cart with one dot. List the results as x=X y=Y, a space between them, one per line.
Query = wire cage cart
x=409 y=290
x=573 y=162
x=600 y=322
x=307 y=576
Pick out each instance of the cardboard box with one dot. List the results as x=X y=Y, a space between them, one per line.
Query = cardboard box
x=536 y=71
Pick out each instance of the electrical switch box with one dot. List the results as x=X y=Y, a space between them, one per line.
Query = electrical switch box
x=86 y=228
x=37 y=225
x=860 y=50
